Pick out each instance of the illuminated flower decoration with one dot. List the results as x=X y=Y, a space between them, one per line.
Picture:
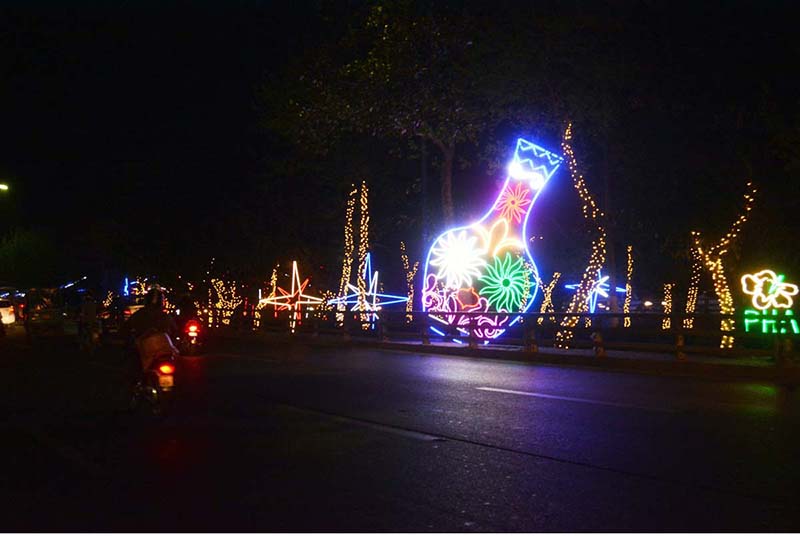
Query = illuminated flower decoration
x=496 y=238
x=490 y=327
x=513 y=202
x=505 y=282
x=457 y=258
x=768 y=290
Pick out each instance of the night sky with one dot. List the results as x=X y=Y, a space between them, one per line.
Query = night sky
x=141 y=119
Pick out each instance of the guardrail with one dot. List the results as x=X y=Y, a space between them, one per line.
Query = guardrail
x=648 y=332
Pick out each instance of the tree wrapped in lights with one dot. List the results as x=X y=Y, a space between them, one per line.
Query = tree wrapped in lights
x=694 y=285
x=711 y=258
x=363 y=247
x=547 y=297
x=626 y=306
x=666 y=323
x=227 y=299
x=411 y=272
x=590 y=210
x=349 y=245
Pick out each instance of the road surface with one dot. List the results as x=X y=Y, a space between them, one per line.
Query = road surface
x=307 y=439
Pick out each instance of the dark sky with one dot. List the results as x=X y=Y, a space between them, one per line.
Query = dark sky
x=139 y=119
x=121 y=111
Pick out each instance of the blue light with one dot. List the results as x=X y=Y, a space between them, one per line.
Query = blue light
x=125 y=289
x=599 y=288
x=457 y=259
x=373 y=300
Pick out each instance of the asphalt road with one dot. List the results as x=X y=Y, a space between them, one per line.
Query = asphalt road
x=304 y=439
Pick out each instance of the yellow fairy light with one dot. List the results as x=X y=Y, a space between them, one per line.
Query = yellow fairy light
x=579 y=303
x=410 y=274
x=349 y=246
x=626 y=306
x=711 y=259
x=108 y=299
x=227 y=298
x=547 y=297
x=363 y=247
x=666 y=323
x=694 y=284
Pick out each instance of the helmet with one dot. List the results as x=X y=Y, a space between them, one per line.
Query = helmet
x=154 y=298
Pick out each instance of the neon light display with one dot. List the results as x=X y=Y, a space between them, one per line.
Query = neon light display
x=599 y=289
x=486 y=267
x=370 y=301
x=772 y=301
x=768 y=290
x=292 y=301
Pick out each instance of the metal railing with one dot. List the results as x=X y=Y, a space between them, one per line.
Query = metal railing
x=600 y=332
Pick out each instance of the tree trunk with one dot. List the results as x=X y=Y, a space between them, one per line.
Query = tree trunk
x=448 y=155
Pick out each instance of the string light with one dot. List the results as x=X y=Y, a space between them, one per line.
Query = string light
x=349 y=245
x=712 y=261
x=666 y=323
x=626 y=306
x=694 y=284
x=547 y=298
x=411 y=272
x=108 y=299
x=599 y=289
x=486 y=267
x=227 y=299
x=590 y=210
x=363 y=247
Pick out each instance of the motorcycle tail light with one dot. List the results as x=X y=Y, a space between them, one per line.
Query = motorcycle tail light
x=192 y=327
x=166 y=368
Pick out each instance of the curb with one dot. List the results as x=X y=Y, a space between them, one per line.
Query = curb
x=786 y=375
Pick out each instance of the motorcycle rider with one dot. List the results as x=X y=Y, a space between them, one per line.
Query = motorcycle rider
x=150 y=318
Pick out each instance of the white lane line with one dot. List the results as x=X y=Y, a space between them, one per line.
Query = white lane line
x=573 y=399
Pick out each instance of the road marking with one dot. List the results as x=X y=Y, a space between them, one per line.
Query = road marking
x=573 y=399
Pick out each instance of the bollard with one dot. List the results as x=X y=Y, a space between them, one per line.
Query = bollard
x=530 y=339
x=382 y=331
x=473 y=340
x=426 y=336
x=597 y=344
x=679 y=344
x=345 y=331
x=781 y=359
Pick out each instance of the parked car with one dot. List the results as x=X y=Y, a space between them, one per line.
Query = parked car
x=7 y=311
x=44 y=312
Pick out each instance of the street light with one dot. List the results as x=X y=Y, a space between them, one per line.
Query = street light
x=3 y=187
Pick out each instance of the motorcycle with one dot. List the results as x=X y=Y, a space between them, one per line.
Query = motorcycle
x=156 y=389
x=190 y=340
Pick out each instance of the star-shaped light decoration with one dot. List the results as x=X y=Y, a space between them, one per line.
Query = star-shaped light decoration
x=371 y=301
x=600 y=288
x=294 y=300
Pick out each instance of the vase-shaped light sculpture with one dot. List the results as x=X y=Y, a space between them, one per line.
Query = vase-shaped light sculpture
x=486 y=266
